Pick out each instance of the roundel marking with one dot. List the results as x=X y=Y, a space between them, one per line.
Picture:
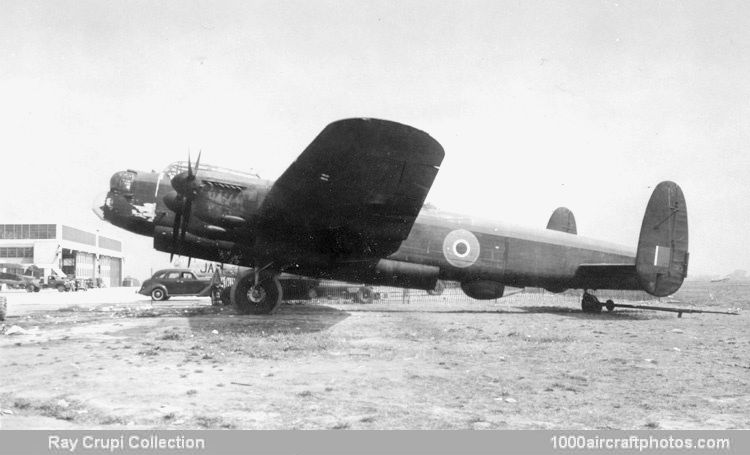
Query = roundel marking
x=461 y=248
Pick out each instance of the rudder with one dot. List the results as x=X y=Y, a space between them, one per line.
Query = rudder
x=662 y=258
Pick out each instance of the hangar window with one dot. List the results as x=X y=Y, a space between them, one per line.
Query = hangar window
x=27 y=231
x=16 y=252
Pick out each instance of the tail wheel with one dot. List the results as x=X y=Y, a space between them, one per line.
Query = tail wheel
x=158 y=294
x=263 y=297
x=590 y=304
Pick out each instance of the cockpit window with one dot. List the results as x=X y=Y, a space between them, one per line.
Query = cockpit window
x=122 y=181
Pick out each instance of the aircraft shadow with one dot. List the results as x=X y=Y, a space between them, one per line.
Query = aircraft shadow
x=286 y=320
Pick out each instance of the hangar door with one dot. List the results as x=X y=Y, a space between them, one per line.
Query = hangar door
x=111 y=271
x=84 y=265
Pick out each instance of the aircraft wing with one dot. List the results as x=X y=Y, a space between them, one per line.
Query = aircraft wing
x=356 y=190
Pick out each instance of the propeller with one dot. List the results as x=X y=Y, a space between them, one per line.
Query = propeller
x=186 y=187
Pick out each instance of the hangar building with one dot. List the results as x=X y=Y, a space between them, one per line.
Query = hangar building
x=59 y=249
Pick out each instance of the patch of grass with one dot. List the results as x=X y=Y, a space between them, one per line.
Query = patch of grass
x=340 y=426
x=191 y=392
x=171 y=336
x=112 y=420
x=72 y=309
x=212 y=422
x=150 y=351
x=305 y=394
x=21 y=403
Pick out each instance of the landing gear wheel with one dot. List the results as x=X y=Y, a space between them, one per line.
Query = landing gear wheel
x=158 y=294
x=261 y=298
x=590 y=304
x=610 y=305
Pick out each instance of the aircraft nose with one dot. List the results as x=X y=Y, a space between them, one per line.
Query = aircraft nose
x=102 y=202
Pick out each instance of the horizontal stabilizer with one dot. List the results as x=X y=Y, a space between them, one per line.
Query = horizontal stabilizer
x=662 y=257
x=562 y=220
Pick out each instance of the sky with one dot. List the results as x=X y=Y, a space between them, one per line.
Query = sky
x=538 y=104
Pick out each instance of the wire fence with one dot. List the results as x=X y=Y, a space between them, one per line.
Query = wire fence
x=734 y=294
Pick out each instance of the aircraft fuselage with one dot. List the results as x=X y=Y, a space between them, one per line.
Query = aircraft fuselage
x=226 y=227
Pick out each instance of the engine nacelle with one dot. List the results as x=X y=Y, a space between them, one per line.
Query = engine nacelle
x=195 y=246
x=483 y=289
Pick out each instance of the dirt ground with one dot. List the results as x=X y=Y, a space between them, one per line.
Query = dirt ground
x=525 y=361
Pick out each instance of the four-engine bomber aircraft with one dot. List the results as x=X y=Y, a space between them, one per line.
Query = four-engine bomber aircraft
x=350 y=209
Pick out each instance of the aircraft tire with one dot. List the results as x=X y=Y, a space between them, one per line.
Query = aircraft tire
x=610 y=305
x=263 y=298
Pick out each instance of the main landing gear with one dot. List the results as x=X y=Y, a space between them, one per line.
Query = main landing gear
x=590 y=304
x=257 y=292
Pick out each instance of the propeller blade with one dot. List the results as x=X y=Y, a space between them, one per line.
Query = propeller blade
x=190 y=168
x=185 y=220
x=189 y=259
x=197 y=162
x=175 y=233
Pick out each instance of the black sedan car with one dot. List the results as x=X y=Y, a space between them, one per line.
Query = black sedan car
x=170 y=282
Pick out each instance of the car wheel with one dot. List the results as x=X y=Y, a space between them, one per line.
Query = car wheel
x=60 y=288
x=30 y=288
x=158 y=294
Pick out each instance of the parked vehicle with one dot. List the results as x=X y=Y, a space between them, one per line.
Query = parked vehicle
x=170 y=282
x=62 y=284
x=357 y=293
x=16 y=281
